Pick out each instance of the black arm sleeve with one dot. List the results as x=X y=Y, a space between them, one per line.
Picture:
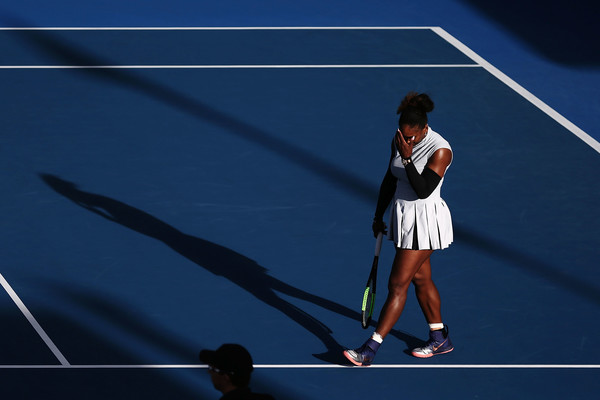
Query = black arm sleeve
x=424 y=184
x=386 y=193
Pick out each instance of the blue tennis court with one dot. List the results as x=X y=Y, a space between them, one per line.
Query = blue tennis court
x=169 y=190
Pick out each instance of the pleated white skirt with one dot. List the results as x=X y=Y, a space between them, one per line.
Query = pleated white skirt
x=421 y=224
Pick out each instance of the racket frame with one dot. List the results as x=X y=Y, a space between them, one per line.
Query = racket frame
x=371 y=287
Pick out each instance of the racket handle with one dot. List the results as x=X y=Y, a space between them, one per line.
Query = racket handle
x=378 y=244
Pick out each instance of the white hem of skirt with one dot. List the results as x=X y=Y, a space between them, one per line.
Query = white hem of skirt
x=428 y=219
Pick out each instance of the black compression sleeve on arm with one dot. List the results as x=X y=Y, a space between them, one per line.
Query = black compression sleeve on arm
x=386 y=193
x=424 y=184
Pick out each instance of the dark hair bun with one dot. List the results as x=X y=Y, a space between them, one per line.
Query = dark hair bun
x=421 y=102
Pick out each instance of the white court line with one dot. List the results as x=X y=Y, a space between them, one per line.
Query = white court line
x=216 y=28
x=33 y=321
x=204 y=66
x=590 y=141
x=480 y=62
x=317 y=366
x=440 y=31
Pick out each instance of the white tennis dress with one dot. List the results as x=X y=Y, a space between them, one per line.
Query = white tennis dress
x=415 y=223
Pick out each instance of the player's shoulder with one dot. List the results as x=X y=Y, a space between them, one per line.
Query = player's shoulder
x=439 y=141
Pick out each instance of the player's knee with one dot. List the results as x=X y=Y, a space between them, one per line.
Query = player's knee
x=422 y=281
x=397 y=287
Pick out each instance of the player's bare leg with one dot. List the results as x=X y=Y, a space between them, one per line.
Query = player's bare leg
x=429 y=299
x=427 y=294
x=406 y=264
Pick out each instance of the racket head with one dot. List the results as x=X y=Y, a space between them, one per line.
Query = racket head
x=368 y=303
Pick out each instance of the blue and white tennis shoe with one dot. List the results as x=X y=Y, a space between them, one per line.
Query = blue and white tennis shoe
x=439 y=343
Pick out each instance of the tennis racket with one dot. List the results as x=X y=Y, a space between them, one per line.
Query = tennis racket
x=369 y=295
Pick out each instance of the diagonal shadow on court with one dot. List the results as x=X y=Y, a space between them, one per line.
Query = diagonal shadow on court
x=237 y=268
x=528 y=263
x=66 y=54
x=321 y=168
x=167 y=383
x=41 y=367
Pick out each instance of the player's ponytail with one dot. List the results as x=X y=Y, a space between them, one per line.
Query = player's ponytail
x=414 y=108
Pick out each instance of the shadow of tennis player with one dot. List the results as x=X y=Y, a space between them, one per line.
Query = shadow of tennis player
x=221 y=261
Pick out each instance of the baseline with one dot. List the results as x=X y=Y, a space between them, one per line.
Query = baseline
x=297 y=66
x=315 y=366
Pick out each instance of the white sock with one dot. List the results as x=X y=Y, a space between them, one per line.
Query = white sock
x=377 y=337
x=435 y=327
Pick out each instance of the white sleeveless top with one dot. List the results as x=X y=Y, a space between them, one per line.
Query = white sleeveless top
x=415 y=223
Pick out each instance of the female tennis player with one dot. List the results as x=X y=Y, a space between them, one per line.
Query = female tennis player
x=420 y=223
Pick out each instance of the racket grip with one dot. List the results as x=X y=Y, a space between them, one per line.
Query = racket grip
x=378 y=244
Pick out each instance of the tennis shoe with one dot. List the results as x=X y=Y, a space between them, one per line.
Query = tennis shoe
x=439 y=343
x=364 y=355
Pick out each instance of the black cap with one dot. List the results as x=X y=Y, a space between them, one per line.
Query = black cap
x=232 y=359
